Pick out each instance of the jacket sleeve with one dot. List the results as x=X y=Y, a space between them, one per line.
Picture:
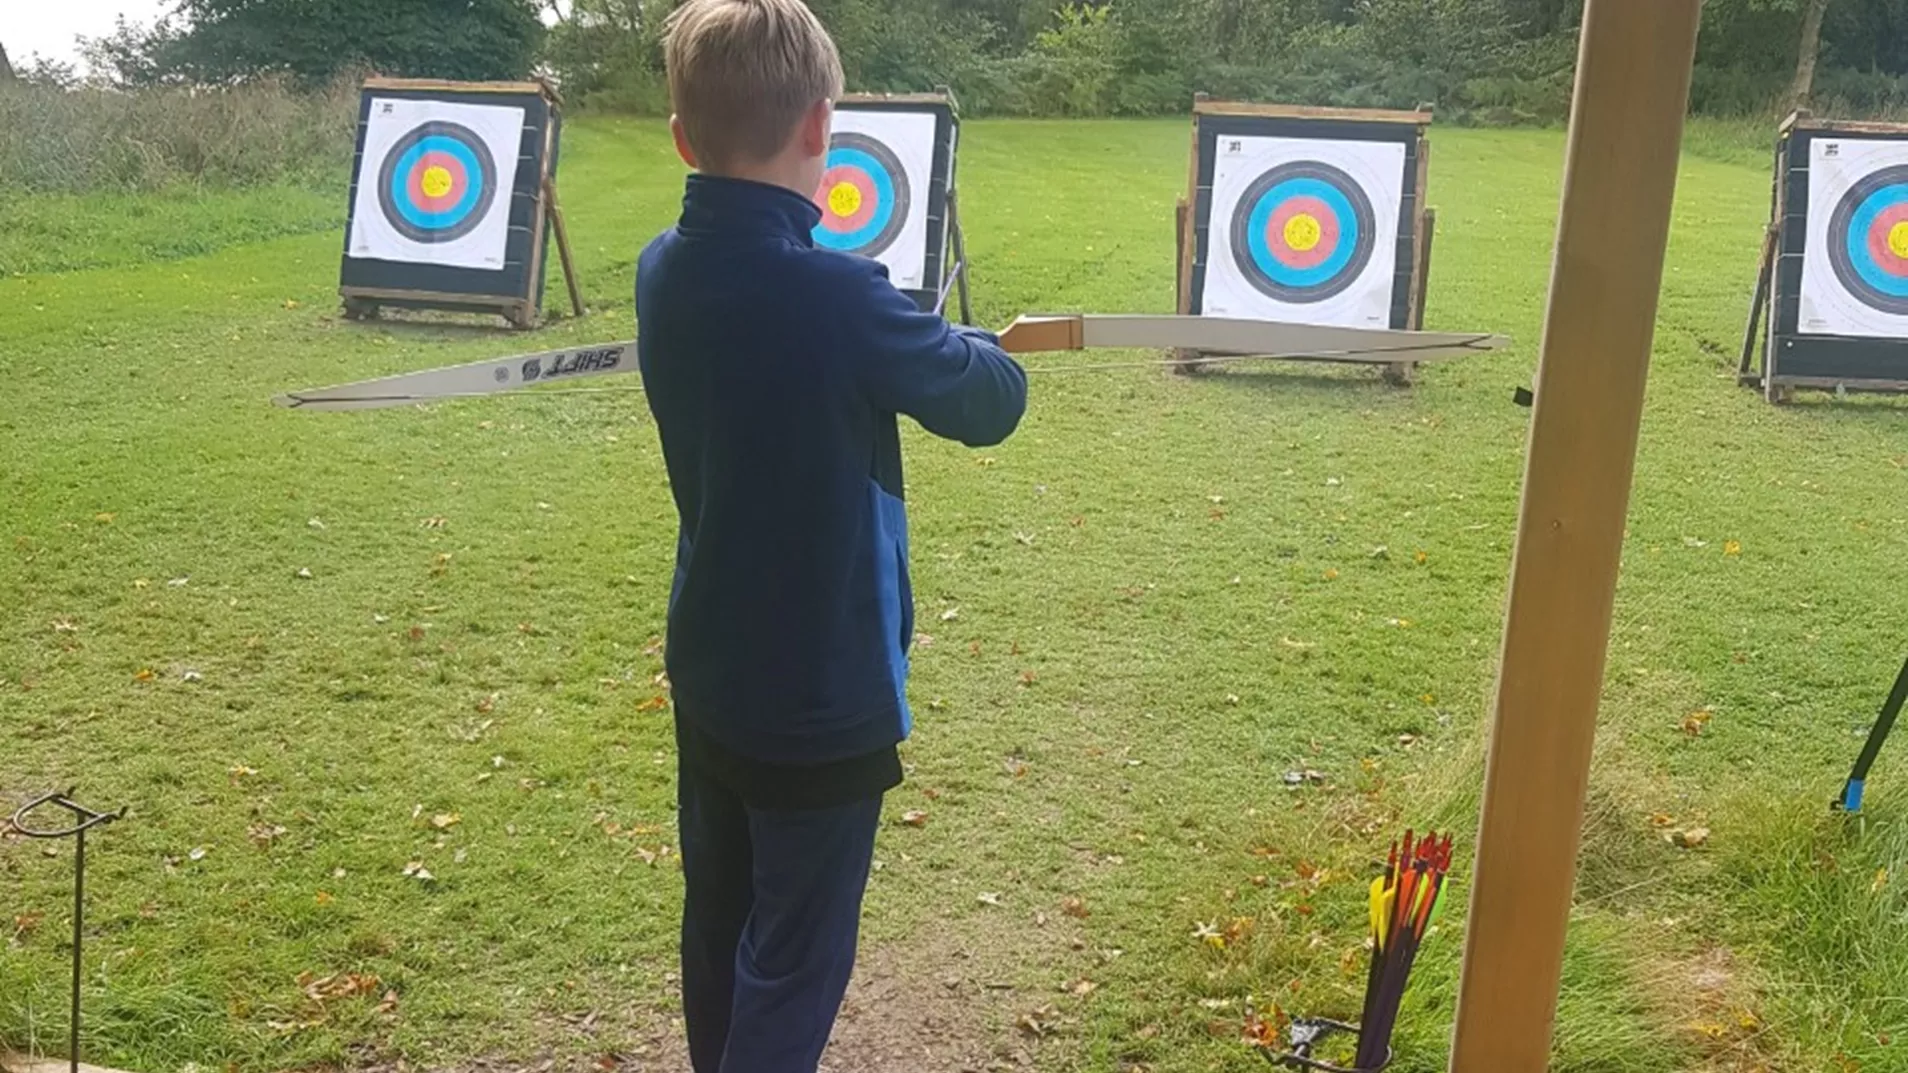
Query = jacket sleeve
x=956 y=381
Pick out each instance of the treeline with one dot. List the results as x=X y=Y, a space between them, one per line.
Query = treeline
x=1495 y=61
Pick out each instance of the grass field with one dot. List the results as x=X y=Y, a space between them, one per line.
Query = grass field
x=316 y=653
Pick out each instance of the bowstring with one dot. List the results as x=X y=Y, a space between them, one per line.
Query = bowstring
x=1473 y=344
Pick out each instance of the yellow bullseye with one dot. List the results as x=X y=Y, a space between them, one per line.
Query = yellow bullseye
x=844 y=199
x=436 y=181
x=1302 y=232
x=1898 y=240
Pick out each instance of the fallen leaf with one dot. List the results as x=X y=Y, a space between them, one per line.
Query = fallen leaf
x=191 y=676
x=1082 y=987
x=1381 y=552
x=323 y=898
x=653 y=704
x=1732 y=547
x=264 y=834
x=291 y=303
x=338 y=985
x=1027 y=678
x=315 y=523
x=444 y=821
x=950 y=614
x=197 y=853
x=1016 y=767
x=145 y=674
x=1331 y=573
x=1880 y=881
x=1421 y=558
x=1692 y=542
x=1075 y=907
x=64 y=625
x=304 y=572
x=1661 y=819
x=389 y=1004
x=989 y=897
x=1694 y=722
x=435 y=522
x=1038 y=1023
x=416 y=870
x=1691 y=838
x=1210 y=934
x=24 y=923
x=914 y=817
x=1232 y=698
x=140 y=582
x=104 y=518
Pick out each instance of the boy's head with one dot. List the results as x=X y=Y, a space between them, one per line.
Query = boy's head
x=753 y=83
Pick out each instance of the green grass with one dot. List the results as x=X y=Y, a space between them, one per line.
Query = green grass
x=1167 y=592
x=63 y=232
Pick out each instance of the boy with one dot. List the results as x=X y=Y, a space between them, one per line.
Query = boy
x=775 y=371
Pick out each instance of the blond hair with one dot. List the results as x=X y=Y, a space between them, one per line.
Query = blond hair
x=743 y=72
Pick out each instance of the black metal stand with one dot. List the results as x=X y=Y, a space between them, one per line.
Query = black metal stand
x=84 y=818
x=1305 y=1034
x=1850 y=799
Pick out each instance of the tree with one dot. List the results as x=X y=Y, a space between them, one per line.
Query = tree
x=1809 y=52
x=317 y=39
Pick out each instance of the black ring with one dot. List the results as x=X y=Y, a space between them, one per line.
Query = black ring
x=486 y=178
x=1361 y=250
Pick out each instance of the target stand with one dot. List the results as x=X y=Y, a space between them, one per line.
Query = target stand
x=1830 y=309
x=889 y=193
x=453 y=200
x=1306 y=216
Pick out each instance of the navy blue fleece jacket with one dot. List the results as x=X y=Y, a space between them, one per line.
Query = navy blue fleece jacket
x=775 y=371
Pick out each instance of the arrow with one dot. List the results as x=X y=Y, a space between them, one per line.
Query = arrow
x=1218 y=339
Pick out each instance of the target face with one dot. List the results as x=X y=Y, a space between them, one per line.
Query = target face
x=1868 y=240
x=864 y=196
x=437 y=182
x=875 y=192
x=1302 y=232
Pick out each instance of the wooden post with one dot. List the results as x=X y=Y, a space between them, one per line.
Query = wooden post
x=1632 y=89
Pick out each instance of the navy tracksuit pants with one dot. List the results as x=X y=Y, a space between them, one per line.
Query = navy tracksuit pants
x=771 y=910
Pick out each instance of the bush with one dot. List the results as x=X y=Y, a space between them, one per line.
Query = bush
x=99 y=139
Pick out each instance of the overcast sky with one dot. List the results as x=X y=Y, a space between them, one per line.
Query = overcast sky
x=49 y=26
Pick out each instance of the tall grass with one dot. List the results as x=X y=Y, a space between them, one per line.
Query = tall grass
x=86 y=140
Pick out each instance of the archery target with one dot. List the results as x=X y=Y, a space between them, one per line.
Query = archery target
x=874 y=191
x=1304 y=230
x=1855 y=263
x=435 y=182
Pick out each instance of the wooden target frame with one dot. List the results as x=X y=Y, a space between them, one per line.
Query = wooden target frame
x=1417 y=222
x=1777 y=355
x=514 y=290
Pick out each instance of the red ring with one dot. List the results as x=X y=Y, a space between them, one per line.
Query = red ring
x=414 y=182
x=1886 y=259
x=1327 y=232
x=861 y=181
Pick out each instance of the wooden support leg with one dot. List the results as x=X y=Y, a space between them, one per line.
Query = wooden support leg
x=1632 y=88
x=563 y=249
x=1765 y=276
